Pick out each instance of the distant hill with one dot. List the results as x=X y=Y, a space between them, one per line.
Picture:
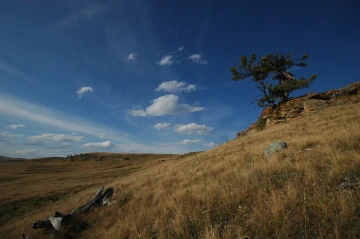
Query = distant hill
x=4 y=158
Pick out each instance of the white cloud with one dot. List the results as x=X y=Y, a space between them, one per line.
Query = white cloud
x=24 y=110
x=175 y=86
x=166 y=60
x=210 y=145
x=197 y=59
x=43 y=138
x=160 y=126
x=189 y=141
x=5 y=135
x=169 y=58
x=131 y=56
x=101 y=145
x=165 y=105
x=14 y=126
x=192 y=129
x=83 y=90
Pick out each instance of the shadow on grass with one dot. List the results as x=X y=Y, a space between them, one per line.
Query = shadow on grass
x=73 y=229
x=14 y=209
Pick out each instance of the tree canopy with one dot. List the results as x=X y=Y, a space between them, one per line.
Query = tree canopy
x=272 y=76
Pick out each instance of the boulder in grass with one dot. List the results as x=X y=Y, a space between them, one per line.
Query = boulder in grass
x=275 y=147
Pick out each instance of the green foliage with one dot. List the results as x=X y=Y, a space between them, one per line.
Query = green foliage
x=272 y=76
x=261 y=123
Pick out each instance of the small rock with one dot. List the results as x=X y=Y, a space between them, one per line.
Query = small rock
x=274 y=147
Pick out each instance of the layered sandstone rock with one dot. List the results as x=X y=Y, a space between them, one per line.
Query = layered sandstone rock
x=309 y=104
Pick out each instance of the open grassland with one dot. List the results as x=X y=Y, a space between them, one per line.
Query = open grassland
x=29 y=185
x=231 y=191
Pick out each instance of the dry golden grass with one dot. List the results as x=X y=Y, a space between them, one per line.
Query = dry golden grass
x=231 y=191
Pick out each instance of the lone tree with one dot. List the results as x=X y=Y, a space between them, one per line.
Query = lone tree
x=272 y=67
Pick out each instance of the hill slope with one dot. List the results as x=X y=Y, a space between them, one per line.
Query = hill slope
x=309 y=190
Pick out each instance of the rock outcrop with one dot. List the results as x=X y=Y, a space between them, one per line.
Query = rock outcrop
x=309 y=104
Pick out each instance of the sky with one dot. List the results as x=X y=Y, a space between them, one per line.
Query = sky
x=80 y=76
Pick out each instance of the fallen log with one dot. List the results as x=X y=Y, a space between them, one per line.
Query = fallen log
x=60 y=221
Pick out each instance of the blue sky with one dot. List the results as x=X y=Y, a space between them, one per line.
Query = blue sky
x=153 y=76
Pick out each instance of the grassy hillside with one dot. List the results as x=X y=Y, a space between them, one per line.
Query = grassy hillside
x=231 y=191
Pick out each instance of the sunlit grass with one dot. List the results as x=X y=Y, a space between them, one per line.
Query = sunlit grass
x=231 y=191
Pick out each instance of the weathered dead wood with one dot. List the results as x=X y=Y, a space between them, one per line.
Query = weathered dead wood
x=60 y=221
x=87 y=205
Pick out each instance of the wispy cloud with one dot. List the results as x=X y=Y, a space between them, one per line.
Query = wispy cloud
x=25 y=110
x=175 y=86
x=197 y=59
x=100 y=145
x=44 y=138
x=7 y=138
x=14 y=126
x=5 y=135
x=9 y=69
x=131 y=56
x=81 y=91
x=210 y=145
x=189 y=141
x=160 y=126
x=87 y=12
x=165 y=105
x=192 y=129
x=168 y=59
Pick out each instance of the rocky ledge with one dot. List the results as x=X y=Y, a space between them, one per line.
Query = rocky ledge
x=296 y=108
